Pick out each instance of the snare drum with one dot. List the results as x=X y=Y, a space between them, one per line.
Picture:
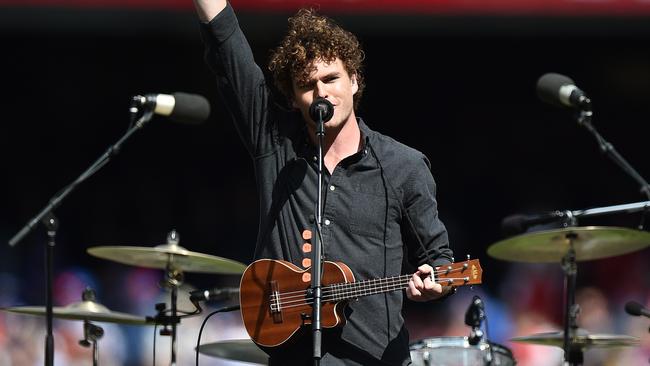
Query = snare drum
x=456 y=351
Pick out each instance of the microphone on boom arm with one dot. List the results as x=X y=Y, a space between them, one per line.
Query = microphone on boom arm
x=519 y=223
x=561 y=91
x=180 y=107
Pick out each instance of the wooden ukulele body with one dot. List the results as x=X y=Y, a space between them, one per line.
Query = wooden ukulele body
x=270 y=318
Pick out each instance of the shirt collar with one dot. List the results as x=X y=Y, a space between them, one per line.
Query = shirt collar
x=309 y=151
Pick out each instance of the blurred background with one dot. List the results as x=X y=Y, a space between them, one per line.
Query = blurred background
x=453 y=79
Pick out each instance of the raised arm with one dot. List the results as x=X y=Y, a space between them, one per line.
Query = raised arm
x=240 y=81
x=208 y=9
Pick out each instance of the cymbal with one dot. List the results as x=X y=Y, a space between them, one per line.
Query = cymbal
x=589 y=242
x=235 y=349
x=83 y=310
x=583 y=339
x=162 y=255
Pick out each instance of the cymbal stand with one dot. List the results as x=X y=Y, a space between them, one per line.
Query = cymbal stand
x=92 y=333
x=173 y=279
x=572 y=354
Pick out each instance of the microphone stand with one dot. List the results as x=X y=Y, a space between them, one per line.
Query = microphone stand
x=573 y=355
x=51 y=223
x=317 y=257
x=584 y=119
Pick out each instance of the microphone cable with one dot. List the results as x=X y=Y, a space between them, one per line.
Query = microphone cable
x=220 y=310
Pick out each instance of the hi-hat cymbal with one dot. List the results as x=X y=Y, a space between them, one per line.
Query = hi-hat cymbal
x=235 y=349
x=83 y=310
x=168 y=254
x=589 y=242
x=583 y=339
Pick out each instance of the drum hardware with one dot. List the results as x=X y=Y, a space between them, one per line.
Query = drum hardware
x=175 y=261
x=474 y=317
x=457 y=351
x=573 y=354
x=92 y=333
x=88 y=310
x=570 y=245
x=235 y=349
x=171 y=257
x=588 y=242
x=580 y=339
x=83 y=310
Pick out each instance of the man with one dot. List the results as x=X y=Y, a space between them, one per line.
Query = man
x=379 y=195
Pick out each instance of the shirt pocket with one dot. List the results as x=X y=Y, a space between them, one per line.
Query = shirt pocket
x=371 y=215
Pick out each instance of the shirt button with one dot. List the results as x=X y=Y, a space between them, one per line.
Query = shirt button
x=327 y=222
x=332 y=188
x=315 y=158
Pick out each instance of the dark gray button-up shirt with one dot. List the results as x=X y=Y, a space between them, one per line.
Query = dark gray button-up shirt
x=367 y=199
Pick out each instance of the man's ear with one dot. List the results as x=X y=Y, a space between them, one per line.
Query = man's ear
x=355 y=85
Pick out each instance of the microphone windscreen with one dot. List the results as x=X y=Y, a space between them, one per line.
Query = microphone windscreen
x=322 y=108
x=548 y=87
x=513 y=225
x=633 y=308
x=190 y=108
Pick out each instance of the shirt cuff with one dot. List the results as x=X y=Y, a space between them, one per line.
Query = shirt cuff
x=221 y=27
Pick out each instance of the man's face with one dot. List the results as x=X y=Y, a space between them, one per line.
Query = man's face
x=332 y=82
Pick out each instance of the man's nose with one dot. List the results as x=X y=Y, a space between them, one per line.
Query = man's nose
x=321 y=90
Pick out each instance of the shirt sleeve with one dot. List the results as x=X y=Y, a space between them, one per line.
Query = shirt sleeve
x=240 y=80
x=425 y=226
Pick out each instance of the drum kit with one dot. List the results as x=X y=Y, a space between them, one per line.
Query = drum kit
x=565 y=246
x=170 y=257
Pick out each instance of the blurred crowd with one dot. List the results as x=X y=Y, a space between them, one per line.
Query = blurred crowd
x=529 y=300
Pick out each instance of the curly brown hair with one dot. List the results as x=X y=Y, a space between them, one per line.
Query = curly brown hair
x=313 y=37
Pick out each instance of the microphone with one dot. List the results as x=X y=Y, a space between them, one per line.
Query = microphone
x=561 y=91
x=475 y=312
x=518 y=223
x=474 y=317
x=214 y=294
x=321 y=109
x=636 y=309
x=180 y=107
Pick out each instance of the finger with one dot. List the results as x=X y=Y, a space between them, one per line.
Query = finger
x=425 y=269
x=437 y=288
x=417 y=281
x=429 y=284
x=414 y=291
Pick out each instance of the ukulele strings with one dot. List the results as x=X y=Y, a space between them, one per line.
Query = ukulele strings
x=348 y=289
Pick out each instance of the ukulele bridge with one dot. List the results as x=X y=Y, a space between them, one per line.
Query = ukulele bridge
x=274 y=303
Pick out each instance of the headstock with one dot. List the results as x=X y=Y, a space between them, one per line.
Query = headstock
x=464 y=273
